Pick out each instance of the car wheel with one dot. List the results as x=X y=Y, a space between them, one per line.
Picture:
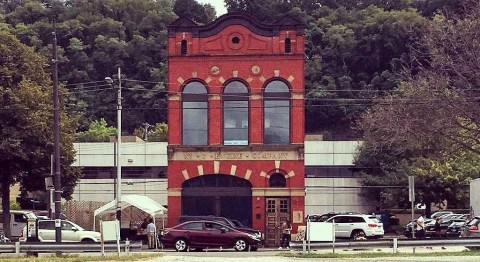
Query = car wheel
x=87 y=240
x=241 y=245
x=358 y=235
x=181 y=245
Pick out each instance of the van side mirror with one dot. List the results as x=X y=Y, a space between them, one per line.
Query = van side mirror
x=223 y=230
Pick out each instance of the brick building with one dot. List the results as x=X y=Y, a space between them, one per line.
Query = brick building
x=236 y=121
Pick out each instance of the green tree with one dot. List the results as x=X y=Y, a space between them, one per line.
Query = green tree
x=157 y=134
x=26 y=119
x=193 y=10
x=433 y=122
x=99 y=131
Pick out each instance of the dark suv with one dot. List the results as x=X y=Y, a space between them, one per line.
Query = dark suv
x=226 y=221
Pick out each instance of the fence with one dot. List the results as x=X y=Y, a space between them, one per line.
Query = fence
x=391 y=243
x=25 y=247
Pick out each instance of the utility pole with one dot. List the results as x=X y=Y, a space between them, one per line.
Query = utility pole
x=119 y=146
x=56 y=139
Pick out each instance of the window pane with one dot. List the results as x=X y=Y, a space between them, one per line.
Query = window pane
x=277 y=122
x=277 y=86
x=235 y=123
x=236 y=87
x=195 y=123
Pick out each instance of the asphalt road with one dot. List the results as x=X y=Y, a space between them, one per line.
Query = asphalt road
x=275 y=256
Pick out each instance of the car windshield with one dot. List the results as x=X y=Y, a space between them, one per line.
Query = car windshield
x=238 y=223
x=77 y=226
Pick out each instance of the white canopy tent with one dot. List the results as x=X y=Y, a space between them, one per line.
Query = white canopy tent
x=143 y=203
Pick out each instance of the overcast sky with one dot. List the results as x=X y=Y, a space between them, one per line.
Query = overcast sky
x=218 y=4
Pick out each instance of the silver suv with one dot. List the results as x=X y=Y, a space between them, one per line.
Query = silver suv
x=357 y=226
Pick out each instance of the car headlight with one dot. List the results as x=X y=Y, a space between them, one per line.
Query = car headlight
x=255 y=237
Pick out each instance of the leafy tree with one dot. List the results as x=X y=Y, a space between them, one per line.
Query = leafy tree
x=435 y=115
x=158 y=134
x=95 y=37
x=99 y=131
x=26 y=118
x=192 y=9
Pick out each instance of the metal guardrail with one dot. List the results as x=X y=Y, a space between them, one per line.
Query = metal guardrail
x=26 y=247
x=391 y=243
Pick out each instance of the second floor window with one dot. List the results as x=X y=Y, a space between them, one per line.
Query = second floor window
x=276 y=113
x=194 y=114
x=235 y=114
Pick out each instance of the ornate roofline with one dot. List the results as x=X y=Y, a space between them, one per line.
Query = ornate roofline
x=287 y=22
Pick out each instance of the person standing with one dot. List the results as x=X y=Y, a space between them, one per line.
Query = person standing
x=420 y=227
x=151 y=231
x=286 y=235
x=437 y=228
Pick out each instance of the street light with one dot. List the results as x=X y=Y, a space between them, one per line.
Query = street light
x=119 y=143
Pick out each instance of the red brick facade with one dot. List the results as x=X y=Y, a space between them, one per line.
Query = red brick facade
x=237 y=48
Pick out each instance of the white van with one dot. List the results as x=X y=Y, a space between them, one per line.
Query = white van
x=18 y=220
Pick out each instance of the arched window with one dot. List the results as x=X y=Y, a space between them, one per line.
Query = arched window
x=194 y=114
x=183 y=47
x=276 y=113
x=288 y=45
x=277 y=180
x=235 y=114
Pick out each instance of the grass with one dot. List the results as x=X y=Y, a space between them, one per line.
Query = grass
x=381 y=255
x=78 y=258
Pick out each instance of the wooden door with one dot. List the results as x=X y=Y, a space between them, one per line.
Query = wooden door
x=277 y=211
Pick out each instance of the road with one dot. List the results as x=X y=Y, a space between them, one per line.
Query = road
x=273 y=256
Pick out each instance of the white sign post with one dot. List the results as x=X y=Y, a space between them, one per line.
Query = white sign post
x=411 y=198
x=321 y=231
x=110 y=231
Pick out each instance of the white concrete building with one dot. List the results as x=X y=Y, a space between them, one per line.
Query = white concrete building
x=330 y=182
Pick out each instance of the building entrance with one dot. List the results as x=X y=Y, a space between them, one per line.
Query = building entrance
x=218 y=195
x=278 y=211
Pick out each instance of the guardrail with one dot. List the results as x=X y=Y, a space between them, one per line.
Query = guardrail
x=391 y=243
x=26 y=247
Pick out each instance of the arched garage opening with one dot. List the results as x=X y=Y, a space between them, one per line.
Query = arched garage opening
x=218 y=195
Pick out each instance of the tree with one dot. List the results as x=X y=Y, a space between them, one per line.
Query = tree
x=158 y=134
x=95 y=37
x=193 y=10
x=26 y=118
x=433 y=121
x=99 y=131
x=354 y=56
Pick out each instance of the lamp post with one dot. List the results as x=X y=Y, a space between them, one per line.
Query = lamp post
x=119 y=144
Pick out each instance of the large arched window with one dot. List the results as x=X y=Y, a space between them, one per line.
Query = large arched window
x=235 y=114
x=194 y=114
x=276 y=113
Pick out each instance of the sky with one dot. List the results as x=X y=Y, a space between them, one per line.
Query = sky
x=218 y=4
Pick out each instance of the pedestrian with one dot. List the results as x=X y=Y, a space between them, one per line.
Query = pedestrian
x=151 y=232
x=286 y=235
x=437 y=228
x=420 y=227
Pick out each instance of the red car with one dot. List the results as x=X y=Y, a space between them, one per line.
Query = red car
x=202 y=234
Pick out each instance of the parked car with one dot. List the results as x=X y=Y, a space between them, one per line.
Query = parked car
x=203 y=234
x=71 y=232
x=444 y=224
x=455 y=228
x=18 y=220
x=357 y=226
x=225 y=221
x=440 y=213
x=471 y=228
x=324 y=217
